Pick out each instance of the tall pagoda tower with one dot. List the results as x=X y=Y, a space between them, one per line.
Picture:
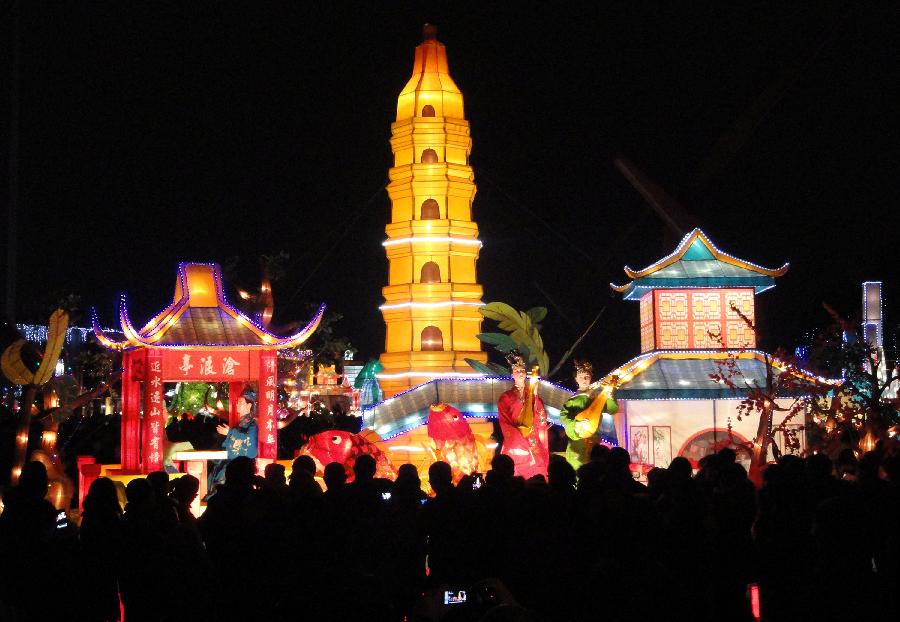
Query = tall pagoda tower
x=433 y=295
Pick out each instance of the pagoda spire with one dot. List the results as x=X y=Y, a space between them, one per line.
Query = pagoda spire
x=432 y=297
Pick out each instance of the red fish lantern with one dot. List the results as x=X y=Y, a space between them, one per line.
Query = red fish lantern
x=454 y=439
x=344 y=448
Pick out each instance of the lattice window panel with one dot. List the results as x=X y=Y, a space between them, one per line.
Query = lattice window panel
x=647 y=324
x=706 y=305
x=707 y=334
x=684 y=319
x=672 y=305
x=673 y=335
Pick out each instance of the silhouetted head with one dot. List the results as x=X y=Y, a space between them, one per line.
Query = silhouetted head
x=305 y=464
x=619 y=460
x=440 y=476
x=274 y=473
x=560 y=473
x=599 y=452
x=138 y=491
x=102 y=497
x=335 y=476
x=364 y=467
x=726 y=456
x=503 y=468
x=819 y=467
x=33 y=480
x=680 y=469
x=733 y=474
x=869 y=465
x=657 y=480
x=159 y=482
x=408 y=477
x=185 y=488
x=240 y=472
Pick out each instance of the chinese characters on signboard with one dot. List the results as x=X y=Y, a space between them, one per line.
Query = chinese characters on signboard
x=154 y=413
x=210 y=365
x=267 y=420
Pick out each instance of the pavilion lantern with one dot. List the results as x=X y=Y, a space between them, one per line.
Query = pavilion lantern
x=200 y=337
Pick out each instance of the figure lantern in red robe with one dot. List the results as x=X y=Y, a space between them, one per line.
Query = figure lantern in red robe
x=524 y=441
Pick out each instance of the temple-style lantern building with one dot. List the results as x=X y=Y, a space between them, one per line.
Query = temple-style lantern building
x=691 y=303
x=200 y=337
x=433 y=295
x=695 y=294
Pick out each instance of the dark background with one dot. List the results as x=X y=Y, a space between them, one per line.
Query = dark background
x=157 y=132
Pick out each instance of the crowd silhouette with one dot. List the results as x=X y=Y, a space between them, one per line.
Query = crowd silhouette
x=819 y=539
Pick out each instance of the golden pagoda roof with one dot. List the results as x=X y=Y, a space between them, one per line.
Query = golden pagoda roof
x=200 y=316
x=430 y=83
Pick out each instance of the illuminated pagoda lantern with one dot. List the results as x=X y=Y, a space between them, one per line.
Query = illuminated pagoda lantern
x=200 y=337
x=432 y=297
x=691 y=304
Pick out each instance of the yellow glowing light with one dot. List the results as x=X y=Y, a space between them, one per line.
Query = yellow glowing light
x=432 y=242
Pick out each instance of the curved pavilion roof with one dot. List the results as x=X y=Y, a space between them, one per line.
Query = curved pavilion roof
x=686 y=374
x=697 y=263
x=200 y=316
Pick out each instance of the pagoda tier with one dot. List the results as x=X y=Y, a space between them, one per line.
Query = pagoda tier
x=432 y=297
x=698 y=297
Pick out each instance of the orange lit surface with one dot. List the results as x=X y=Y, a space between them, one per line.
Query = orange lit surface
x=690 y=319
x=432 y=297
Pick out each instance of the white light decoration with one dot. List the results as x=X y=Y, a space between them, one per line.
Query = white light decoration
x=428 y=374
x=430 y=305
x=431 y=240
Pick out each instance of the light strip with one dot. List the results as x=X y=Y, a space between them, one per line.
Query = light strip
x=429 y=374
x=417 y=240
x=431 y=305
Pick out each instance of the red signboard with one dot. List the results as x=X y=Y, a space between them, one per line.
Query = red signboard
x=219 y=365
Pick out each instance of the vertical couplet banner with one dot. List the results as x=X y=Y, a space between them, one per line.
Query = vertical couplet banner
x=154 y=413
x=133 y=375
x=267 y=399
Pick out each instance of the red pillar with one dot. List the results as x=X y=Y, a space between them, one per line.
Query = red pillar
x=154 y=413
x=134 y=363
x=85 y=477
x=234 y=392
x=266 y=401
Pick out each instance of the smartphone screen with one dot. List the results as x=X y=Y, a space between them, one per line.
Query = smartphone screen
x=454 y=598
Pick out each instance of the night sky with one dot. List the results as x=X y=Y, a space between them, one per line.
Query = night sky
x=157 y=132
